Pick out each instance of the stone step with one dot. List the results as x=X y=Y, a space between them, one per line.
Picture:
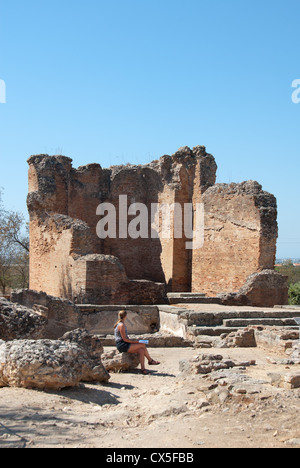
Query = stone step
x=196 y=299
x=218 y=318
x=217 y=331
x=278 y=322
x=210 y=331
x=177 y=295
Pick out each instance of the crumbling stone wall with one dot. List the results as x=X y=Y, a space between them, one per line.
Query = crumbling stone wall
x=67 y=259
x=36 y=315
x=240 y=237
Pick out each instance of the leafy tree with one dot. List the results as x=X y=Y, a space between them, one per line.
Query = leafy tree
x=14 y=250
x=6 y=268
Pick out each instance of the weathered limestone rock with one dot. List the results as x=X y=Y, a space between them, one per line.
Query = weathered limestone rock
x=288 y=381
x=265 y=289
x=41 y=364
x=17 y=321
x=92 y=368
x=291 y=380
x=114 y=361
x=51 y=364
x=60 y=315
x=296 y=352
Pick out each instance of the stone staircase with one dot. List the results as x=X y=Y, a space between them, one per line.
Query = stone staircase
x=218 y=320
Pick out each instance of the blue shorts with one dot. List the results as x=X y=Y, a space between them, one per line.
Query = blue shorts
x=123 y=347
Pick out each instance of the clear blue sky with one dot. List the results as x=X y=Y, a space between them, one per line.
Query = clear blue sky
x=120 y=81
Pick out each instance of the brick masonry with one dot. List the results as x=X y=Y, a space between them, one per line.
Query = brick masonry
x=68 y=260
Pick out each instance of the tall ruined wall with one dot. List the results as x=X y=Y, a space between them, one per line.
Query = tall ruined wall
x=55 y=242
x=240 y=237
x=240 y=228
x=57 y=188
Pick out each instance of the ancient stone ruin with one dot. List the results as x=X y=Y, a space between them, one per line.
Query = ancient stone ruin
x=69 y=260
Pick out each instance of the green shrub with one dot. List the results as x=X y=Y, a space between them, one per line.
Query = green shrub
x=294 y=294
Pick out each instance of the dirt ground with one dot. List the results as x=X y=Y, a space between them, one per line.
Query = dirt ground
x=160 y=410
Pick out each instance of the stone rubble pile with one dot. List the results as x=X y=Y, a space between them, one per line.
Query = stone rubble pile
x=207 y=363
x=221 y=379
x=295 y=355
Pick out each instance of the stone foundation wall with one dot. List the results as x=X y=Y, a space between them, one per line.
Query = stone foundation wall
x=59 y=316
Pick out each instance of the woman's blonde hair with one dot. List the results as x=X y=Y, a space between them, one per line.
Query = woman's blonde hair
x=122 y=315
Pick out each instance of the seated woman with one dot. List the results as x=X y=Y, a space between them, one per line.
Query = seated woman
x=125 y=345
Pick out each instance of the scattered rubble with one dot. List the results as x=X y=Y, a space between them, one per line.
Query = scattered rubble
x=230 y=379
x=225 y=377
x=234 y=407
x=207 y=363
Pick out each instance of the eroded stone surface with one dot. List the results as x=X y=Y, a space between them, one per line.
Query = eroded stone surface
x=52 y=364
x=17 y=321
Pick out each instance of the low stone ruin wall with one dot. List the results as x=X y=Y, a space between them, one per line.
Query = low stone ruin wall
x=281 y=339
x=39 y=315
x=60 y=315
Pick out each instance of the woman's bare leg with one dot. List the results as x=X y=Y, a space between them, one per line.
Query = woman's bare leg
x=142 y=358
x=134 y=348
x=138 y=349
x=147 y=353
